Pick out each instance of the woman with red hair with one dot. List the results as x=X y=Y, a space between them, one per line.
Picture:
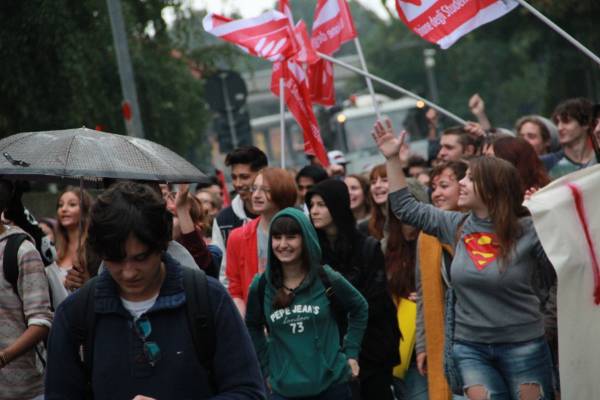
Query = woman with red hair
x=522 y=155
x=273 y=190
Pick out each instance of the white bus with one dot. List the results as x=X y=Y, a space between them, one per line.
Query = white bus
x=355 y=124
x=352 y=134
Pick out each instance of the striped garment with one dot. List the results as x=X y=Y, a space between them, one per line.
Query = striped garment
x=23 y=377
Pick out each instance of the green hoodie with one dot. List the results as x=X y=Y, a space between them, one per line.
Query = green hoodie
x=302 y=355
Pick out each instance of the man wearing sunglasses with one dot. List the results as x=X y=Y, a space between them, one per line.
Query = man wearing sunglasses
x=142 y=345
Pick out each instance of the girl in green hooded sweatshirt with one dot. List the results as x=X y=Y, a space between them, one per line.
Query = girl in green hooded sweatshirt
x=301 y=356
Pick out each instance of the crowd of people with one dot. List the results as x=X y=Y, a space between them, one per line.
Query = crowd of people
x=421 y=278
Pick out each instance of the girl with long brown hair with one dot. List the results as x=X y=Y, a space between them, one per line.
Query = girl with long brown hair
x=304 y=356
x=378 y=190
x=72 y=213
x=498 y=340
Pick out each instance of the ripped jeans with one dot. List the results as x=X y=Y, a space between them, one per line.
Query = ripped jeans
x=503 y=367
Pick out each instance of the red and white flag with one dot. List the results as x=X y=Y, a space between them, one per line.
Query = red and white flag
x=332 y=27
x=268 y=36
x=445 y=21
x=297 y=99
x=306 y=54
x=284 y=7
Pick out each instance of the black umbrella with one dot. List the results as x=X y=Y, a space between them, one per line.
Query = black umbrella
x=85 y=154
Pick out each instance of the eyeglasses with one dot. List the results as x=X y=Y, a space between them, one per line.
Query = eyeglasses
x=263 y=189
x=143 y=328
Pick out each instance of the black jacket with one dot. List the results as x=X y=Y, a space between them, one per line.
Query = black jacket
x=359 y=258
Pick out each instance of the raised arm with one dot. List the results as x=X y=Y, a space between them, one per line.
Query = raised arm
x=442 y=224
x=389 y=146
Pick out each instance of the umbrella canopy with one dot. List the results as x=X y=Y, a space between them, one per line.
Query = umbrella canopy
x=85 y=153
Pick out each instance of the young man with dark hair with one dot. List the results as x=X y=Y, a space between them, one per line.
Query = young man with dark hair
x=128 y=332
x=308 y=177
x=456 y=144
x=574 y=118
x=245 y=163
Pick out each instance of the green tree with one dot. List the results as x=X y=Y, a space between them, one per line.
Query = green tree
x=59 y=71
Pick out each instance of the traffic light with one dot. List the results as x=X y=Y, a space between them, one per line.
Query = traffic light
x=241 y=130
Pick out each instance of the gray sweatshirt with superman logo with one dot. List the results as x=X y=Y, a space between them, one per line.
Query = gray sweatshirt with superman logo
x=492 y=305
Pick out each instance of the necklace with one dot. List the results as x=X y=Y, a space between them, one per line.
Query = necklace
x=293 y=291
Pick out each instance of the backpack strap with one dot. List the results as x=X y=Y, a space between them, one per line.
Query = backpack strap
x=262 y=285
x=200 y=317
x=10 y=262
x=83 y=323
x=334 y=302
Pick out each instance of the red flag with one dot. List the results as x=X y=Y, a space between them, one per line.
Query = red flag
x=267 y=36
x=445 y=21
x=321 y=82
x=306 y=53
x=284 y=7
x=332 y=27
x=297 y=99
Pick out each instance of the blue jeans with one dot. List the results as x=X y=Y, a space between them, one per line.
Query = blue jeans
x=337 y=392
x=502 y=368
x=414 y=386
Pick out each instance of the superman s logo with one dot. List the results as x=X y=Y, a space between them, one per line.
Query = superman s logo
x=483 y=248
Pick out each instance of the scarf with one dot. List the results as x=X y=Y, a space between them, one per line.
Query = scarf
x=432 y=285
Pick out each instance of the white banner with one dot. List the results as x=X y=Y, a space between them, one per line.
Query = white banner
x=567 y=219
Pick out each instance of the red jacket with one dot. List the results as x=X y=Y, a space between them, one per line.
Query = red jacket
x=242 y=259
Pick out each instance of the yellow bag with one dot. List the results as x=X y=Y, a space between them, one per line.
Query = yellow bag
x=407 y=322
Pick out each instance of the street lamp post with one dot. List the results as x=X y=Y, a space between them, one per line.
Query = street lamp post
x=133 y=119
x=429 y=56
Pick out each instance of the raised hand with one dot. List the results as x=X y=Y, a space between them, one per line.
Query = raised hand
x=389 y=145
x=432 y=117
x=476 y=104
x=181 y=198
x=474 y=129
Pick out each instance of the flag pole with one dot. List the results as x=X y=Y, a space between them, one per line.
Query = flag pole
x=363 y=63
x=393 y=86
x=560 y=31
x=282 y=119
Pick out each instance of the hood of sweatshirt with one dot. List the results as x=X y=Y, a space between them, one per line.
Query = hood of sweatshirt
x=337 y=199
x=310 y=242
